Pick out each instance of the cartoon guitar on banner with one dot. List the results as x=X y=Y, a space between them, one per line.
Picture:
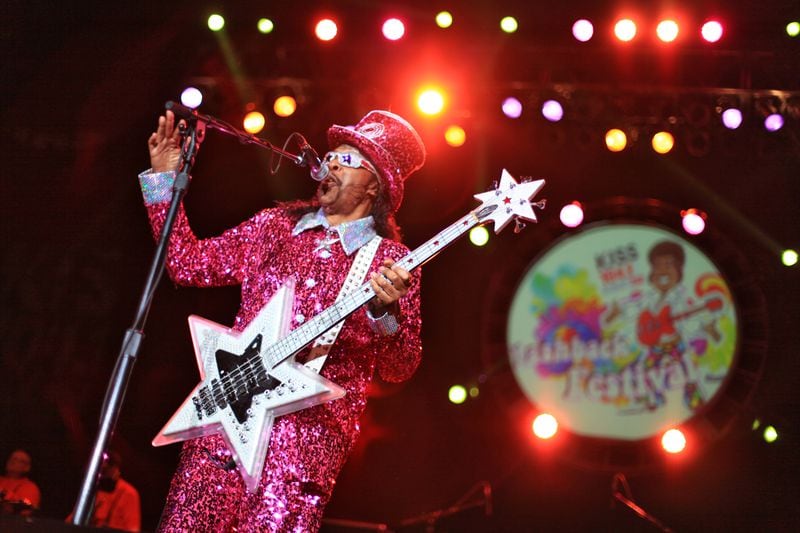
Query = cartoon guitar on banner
x=652 y=327
x=250 y=377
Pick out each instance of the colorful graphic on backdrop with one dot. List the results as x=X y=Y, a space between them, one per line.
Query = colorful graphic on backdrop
x=622 y=330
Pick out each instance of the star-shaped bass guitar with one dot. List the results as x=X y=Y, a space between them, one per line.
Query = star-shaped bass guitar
x=237 y=396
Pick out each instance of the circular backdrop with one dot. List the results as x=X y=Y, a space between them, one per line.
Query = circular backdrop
x=622 y=330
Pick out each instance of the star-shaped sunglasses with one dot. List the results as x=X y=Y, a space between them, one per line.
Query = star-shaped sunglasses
x=349 y=159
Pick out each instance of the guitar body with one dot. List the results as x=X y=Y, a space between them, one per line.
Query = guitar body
x=238 y=396
x=651 y=328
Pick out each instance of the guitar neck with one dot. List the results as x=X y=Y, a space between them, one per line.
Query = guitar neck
x=303 y=335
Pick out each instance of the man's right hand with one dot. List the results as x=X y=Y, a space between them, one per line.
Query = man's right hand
x=164 y=144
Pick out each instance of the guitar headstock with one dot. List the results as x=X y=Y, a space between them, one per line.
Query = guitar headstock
x=509 y=200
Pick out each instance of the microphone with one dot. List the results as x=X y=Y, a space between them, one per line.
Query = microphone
x=317 y=170
x=181 y=111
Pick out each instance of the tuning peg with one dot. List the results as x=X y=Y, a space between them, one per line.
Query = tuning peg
x=518 y=225
x=541 y=203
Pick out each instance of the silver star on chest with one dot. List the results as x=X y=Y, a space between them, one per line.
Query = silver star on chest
x=324 y=244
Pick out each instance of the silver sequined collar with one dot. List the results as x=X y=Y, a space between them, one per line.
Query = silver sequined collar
x=353 y=235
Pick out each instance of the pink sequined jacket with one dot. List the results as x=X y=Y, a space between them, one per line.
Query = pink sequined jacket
x=259 y=255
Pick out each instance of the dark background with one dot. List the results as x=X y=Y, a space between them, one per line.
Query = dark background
x=83 y=84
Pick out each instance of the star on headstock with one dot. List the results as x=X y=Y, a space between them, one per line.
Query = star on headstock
x=511 y=200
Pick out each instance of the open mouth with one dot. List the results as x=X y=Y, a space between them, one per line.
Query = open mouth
x=327 y=184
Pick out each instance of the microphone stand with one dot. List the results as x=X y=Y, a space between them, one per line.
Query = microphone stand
x=192 y=137
x=470 y=500
x=627 y=500
x=115 y=393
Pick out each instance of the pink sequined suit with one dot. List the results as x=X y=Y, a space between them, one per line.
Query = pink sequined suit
x=308 y=448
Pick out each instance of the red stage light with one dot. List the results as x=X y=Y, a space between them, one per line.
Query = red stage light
x=430 y=101
x=582 y=30
x=326 y=30
x=712 y=31
x=393 y=29
x=667 y=30
x=571 y=215
x=545 y=426
x=693 y=221
x=673 y=441
x=625 y=30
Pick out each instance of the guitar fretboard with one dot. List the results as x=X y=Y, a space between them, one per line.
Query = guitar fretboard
x=303 y=335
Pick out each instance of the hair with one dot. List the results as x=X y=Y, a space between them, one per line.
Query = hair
x=670 y=249
x=385 y=222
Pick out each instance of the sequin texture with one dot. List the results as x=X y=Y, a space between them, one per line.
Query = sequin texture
x=307 y=448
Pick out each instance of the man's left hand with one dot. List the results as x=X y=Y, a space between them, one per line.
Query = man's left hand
x=390 y=283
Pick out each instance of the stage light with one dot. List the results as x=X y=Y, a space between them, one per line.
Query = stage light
x=793 y=29
x=545 y=426
x=254 y=122
x=216 y=22
x=693 y=221
x=673 y=441
x=616 y=140
x=393 y=29
x=326 y=30
x=732 y=118
x=444 y=19
x=284 y=106
x=662 y=142
x=455 y=136
x=430 y=101
x=512 y=107
x=191 y=97
x=552 y=110
x=265 y=25
x=457 y=394
x=773 y=122
x=582 y=30
x=571 y=215
x=789 y=258
x=770 y=434
x=479 y=235
x=625 y=30
x=667 y=30
x=712 y=31
x=509 y=24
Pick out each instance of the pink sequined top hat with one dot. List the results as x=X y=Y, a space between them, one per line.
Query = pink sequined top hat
x=390 y=143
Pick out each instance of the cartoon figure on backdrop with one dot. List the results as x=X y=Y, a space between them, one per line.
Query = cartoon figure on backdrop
x=314 y=242
x=18 y=494
x=668 y=338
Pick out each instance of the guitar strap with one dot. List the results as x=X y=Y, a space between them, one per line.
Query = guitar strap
x=358 y=271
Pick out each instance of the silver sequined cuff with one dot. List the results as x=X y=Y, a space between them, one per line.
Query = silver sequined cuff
x=156 y=186
x=385 y=324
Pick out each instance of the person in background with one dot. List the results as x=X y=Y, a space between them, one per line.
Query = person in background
x=117 y=502
x=18 y=494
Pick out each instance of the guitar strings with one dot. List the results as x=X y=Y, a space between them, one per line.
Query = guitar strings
x=236 y=378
